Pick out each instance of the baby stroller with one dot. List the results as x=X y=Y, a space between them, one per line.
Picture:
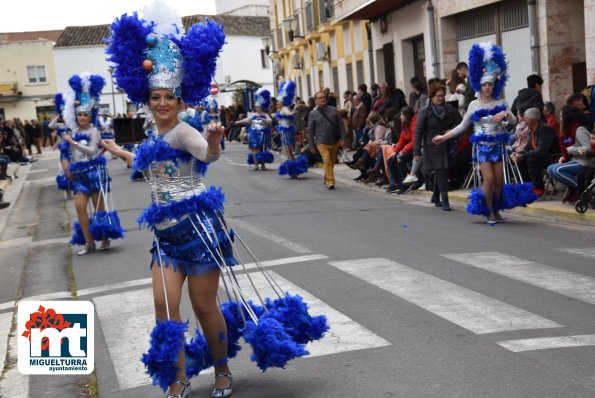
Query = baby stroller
x=586 y=198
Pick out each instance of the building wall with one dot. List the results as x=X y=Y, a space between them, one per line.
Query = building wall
x=589 y=17
x=14 y=59
x=231 y=5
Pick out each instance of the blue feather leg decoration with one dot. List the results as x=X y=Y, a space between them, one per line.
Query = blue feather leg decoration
x=235 y=323
x=476 y=203
x=77 y=237
x=265 y=156
x=292 y=312
x=167 y=339
x=63 y=182
x=295 y=167
x=198 y=355
x=271 y=345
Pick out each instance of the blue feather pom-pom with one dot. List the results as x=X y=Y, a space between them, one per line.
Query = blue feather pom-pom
x=198 y=355
x=515 y=195
x=200 y=48
x=476 y=203
x=63 y=182
x=77 y=237
x=167 y=339
x=250 y=158
x=271 y=345
x=235 y=323
x=292 y=312
x=58 y=103
x=106 y=225
x=265 y=156
x=294 y=167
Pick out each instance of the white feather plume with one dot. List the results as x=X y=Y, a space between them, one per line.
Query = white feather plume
x=70 y=110
x=167 y=20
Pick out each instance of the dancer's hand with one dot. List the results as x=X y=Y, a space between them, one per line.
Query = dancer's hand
x=498 y=117
x=439 y=139
x=214 y=134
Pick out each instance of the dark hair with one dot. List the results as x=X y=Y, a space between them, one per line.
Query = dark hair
x=418 y=86
x=551 y=108
x=572 y=114
x=413 y=79
x=408 y=113
x=363 y=87
x=432 y=81
x=434 y=88
x=534 y=80
x=577 y=97
x=389 y=114
x=461 y=65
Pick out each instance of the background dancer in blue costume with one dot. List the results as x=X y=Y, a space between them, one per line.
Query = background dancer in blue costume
x=292 y=166
x=259 y=131
x=192 y=241
x=64 y=177
x=491 y=119
x=90 y=179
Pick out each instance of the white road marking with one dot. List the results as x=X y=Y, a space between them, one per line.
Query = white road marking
x=41 y=181
x=466 y=308
x=345 y=334
x=29 y=241
x=41 y=297
x=294 y=247
x=5 y=325
x=113 y=286
x=546 y=343
x=37 y=171
x=127 y=320
x=567 y=283
x=588 y=253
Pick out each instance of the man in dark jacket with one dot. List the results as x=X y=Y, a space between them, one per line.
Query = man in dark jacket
x=366 y=98
x=358 y=121
x=530 y=96
x=325 y=129
x=538 y=153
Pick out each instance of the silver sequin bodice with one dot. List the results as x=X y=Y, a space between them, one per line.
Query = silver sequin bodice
x=171 y=183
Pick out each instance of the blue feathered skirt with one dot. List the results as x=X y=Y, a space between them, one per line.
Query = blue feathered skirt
x=89 y=177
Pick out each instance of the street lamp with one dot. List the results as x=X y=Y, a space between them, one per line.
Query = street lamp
x=291 y=25
x=267 y=43
x=111 y=78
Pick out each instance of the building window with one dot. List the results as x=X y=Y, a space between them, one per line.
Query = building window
x=299 y=87
x=349 y=71
x=36 y=74
x=309 y=84
x=320 y=80
x=359 y=67
x=2 y=114
x=336 y=80
x=264 y=59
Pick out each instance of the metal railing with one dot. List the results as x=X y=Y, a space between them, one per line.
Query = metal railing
x=326 y=10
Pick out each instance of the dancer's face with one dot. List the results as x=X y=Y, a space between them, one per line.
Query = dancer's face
x=164 y=105
x=83 y=119
x=487 y=90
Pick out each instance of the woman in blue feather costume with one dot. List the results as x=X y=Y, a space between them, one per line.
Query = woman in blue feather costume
x=161 y=67
x=87 y=168
x=292 y=167
x=64 y=177
x=259 y=130
x=491 y=120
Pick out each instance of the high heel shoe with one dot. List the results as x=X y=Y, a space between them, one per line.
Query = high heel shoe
x=90 y=248
x=185 y=390
x=223 y=392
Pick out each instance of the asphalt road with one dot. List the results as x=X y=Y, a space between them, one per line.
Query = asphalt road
x=421 y=302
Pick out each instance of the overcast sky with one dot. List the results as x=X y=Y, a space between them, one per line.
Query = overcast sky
x=35 y=15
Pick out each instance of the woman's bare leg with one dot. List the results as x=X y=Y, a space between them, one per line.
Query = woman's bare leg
x=487 y=174
x=80 y=204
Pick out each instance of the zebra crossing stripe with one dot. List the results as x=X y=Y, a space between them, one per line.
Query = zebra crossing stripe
x=589 y=253
x=545 y=343
x=464 y=307
x=126 y=320
x=567 y=283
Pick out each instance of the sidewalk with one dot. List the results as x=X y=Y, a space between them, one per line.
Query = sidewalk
x=550 y=210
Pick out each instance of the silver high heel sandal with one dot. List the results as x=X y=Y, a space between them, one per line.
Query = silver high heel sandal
x=88 y=249
x=185 y=390
x=223 y=392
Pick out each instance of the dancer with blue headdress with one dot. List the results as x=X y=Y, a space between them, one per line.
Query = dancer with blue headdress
x=259 y=130
x=90 y=179
x=293 y=166
x=64 y=177
x=161 y=67
x=497 y=180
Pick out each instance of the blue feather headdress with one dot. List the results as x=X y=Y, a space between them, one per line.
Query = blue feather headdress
x=153 y=52
x=212 y=105
x=286 y=93
x=83 y=97
x=487 y=64
x=262 y=99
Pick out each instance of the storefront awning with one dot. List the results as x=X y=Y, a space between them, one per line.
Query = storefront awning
x=373 y=9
